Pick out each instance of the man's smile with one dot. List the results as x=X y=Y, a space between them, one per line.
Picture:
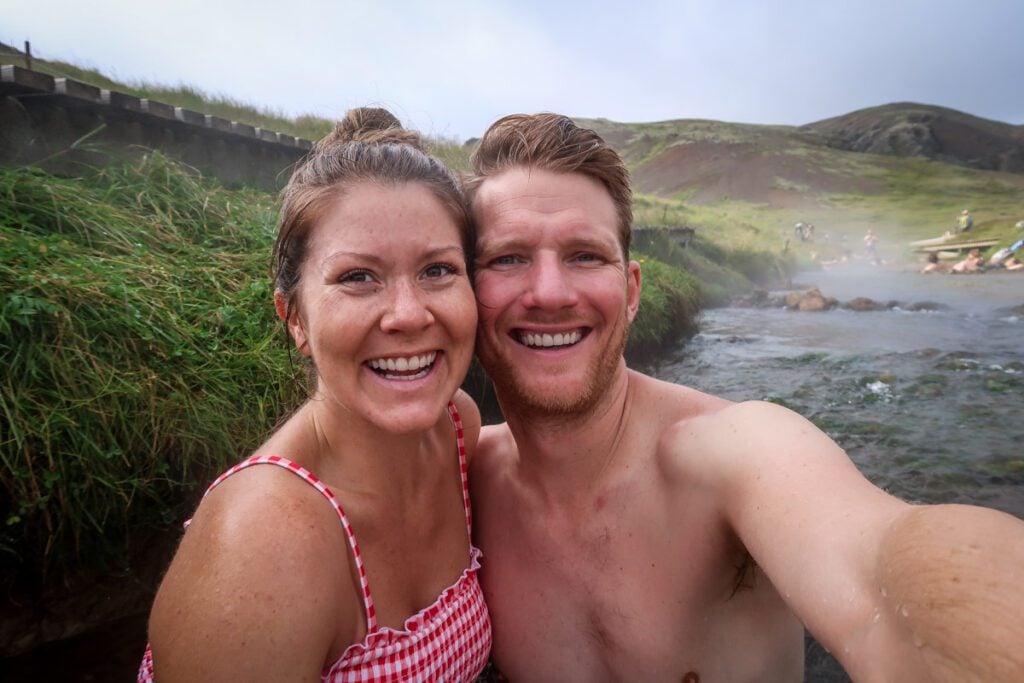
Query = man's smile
x=549 y=339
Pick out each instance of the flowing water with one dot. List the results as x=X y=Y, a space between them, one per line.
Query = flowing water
x=929 y=404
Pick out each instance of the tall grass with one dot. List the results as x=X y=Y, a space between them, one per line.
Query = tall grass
x=139 y=349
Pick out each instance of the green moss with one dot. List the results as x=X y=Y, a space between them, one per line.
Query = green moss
x=669 y=304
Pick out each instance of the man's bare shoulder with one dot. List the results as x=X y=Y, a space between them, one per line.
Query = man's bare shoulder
x=495 y=450
x=665 y=401
x=714 y=435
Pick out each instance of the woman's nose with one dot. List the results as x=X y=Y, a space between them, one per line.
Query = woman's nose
x=406 y=309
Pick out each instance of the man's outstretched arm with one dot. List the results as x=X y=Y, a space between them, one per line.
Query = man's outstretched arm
x=951 y=580
x=894 y=591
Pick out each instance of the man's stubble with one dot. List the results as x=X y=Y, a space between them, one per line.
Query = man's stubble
x=517 y=397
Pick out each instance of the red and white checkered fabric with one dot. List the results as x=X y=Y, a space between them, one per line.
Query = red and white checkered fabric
x=447 y=641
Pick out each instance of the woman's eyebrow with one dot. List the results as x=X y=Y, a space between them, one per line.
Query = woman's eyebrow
x=435 y=252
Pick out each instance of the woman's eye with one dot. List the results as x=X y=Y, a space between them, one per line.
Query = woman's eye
x=355 y=277
x=436 y=270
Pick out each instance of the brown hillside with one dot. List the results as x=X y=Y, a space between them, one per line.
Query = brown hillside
x=709 y=160
x=909 y=129
x=711 y=171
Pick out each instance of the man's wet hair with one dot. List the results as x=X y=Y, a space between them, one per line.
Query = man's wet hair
x=553 y=142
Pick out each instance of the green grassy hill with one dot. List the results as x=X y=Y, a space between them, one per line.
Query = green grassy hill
x=744 y=185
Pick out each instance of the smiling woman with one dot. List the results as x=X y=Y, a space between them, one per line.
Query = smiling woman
x=270 y=583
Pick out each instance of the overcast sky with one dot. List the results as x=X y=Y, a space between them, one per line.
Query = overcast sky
x=451 y=67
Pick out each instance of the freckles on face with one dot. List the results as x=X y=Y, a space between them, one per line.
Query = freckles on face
x=387 y=310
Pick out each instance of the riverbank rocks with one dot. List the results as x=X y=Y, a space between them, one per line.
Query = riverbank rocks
x=810 y=300
x=924 y=306
x=813 y=300
x=759 y=298
x=1013 y=310
x=863 y=303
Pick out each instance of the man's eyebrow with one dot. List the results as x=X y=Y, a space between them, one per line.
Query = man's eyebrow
x=591 y=243
x=501 y=244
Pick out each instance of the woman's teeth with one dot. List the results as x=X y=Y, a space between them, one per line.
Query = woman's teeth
x=414 y=367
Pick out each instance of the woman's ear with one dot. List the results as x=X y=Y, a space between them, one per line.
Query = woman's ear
x=291 y=319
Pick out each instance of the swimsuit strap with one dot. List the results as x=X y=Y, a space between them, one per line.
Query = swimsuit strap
x=463 y=467
x=312 y=480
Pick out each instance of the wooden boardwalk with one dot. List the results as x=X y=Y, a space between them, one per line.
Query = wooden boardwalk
x=951 y=244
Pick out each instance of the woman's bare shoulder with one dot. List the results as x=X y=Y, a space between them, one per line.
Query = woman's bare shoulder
x=264 y=572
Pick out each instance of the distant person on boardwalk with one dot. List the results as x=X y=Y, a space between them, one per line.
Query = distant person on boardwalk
x=973 y=263
x=964 y=222
x=269 y=583
x=934 y=265
x=871 y=246
x=640 y=530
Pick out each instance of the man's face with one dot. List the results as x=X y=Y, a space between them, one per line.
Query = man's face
x=555 y=297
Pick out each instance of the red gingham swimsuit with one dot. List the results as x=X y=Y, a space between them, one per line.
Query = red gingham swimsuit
x=446 y=641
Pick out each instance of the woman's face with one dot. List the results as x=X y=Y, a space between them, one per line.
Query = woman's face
x=385 y=306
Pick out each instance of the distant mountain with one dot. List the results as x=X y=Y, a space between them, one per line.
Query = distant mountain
x=908 y=129
x=788 y=166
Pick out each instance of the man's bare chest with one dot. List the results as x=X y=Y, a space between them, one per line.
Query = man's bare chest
x=618 y=590
x=633 y=612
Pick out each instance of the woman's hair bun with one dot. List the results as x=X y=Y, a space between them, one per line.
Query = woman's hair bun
x=372 y=125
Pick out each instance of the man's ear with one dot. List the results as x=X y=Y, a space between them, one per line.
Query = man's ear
x=291 y=319
x=633 y=282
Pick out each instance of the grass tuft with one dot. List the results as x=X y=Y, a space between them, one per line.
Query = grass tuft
x=139 y=345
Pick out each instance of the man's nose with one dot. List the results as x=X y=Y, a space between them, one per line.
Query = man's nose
x=550 y=284
x=407 y=310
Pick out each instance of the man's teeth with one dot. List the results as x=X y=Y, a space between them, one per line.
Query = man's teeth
x=409 y=364
x=558 y=339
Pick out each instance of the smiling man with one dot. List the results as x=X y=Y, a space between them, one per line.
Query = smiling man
x=639 y=530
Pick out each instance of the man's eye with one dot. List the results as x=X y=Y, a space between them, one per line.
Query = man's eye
x=436 y=270
x=587 y=257
x=506 y=260
x=356 y=276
